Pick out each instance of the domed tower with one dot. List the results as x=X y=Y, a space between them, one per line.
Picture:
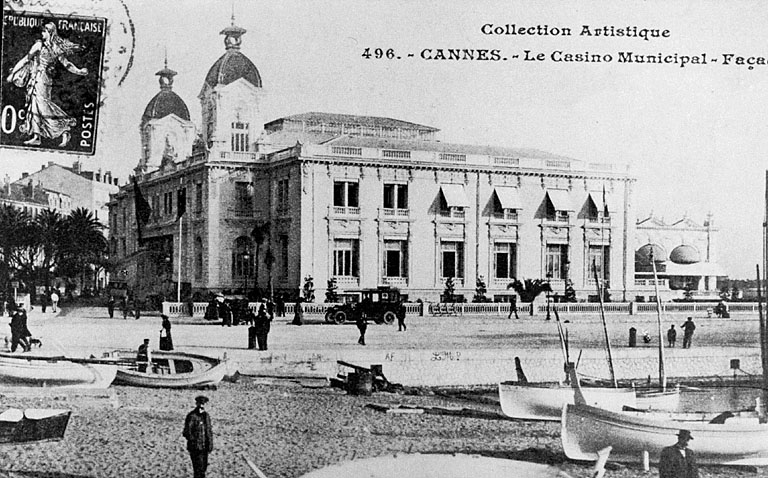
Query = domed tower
x=167 y=133
x=231 y=102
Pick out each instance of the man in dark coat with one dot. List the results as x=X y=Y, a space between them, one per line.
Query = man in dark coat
x=18 y=328
x=262 y=327
x=362 y=326
x=142 y=356
x=688 y=328
x=679 y=461
x=111 y=306
x=199 y=435
x=672 y=335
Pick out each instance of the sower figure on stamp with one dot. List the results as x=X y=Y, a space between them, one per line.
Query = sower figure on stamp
x=199 y=435
x=35 y=72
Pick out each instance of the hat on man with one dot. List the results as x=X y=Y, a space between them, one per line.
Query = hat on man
x=685 y=434
x=146 y=341
x=201 y=399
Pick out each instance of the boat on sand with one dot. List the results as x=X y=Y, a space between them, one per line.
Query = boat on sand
x=32 y=425
x=36 y=371
x=169 y=370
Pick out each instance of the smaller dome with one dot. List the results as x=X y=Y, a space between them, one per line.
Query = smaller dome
x=164 y=103
x=232 y=66
x=685 y=255
x=642 y=255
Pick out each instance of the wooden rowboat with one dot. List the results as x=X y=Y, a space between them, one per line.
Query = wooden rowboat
x=169 y=370
x=740 y=440
x=31 y=425
x=35 y=371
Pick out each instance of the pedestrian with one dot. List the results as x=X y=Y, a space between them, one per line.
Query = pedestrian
x=136 y=308
x=212 y=310
x=26 y=335
x=44 y=300
x=362 y=326
x=688 y=328
x=17 y=328
x=143 y=356
x=54 y=301
x=672 y=335
x=678 y=461
x=111 y=306
x=280 y=305
x=124 y=307
x=262 y=327
x=166 y=340
x=199 y=435
x=298 y=313
x=224 y=311
x=513 y=308
x=401 y=321
x=270 y=309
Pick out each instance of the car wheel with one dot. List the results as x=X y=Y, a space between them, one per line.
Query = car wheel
x=340 y=316
x=329 y=316
x=389 y=317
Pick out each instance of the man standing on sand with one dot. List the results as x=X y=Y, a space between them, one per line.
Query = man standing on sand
x=199 y=435
x=54 y=300
x=672 y=335
x=688 y=328
x=678 y=461
x=362 y=326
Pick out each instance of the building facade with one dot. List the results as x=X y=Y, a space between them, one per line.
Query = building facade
x=367 y=201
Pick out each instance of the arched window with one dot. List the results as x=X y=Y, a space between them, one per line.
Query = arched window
x=198 y=258
x=242 y=258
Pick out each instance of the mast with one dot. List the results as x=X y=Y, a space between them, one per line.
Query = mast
x=605 y=327
x=762 y=332
x=763 y=323
x=662 y=374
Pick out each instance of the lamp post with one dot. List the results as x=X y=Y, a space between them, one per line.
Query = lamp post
x=549 y=290
x=246 y=258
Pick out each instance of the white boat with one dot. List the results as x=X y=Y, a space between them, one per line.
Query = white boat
x=170 y=370
x=740 y=440
x=35 y=371
x=544 y=401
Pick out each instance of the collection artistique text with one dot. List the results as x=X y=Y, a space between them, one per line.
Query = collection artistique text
x=585 y=31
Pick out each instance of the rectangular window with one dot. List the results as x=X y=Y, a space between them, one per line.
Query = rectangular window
x=198 y=197
x=240 y=137
x=556 y=261
x=243 y=198
x=505 y=260
x=282 y=195
x=283 y=269
x=598 y=255
x=345 y=194
x=346 y=258
x=156 y=207
x=452 y=259
x=395 y=196
x=168 y=203
x=395 y=258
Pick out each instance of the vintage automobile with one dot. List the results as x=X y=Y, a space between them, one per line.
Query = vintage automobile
x=382 y=305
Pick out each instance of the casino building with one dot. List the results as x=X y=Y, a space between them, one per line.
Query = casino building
x=367 y=201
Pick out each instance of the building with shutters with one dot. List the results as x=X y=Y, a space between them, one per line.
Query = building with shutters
x=367 y=201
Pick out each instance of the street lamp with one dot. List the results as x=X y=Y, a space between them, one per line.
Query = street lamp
x=246 y=258
x=549 y=290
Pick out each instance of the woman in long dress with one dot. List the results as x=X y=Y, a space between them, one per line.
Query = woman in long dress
x=34 y=72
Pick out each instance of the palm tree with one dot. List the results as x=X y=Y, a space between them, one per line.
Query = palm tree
x=528 y=289
x=260 y=233
x=49 y=225
x=15 y=239
x=84 y=244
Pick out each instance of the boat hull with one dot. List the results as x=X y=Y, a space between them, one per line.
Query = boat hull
x=586 y=429
x=33 y=425
x=174 y=370
x=545 y=401
x=50 y=372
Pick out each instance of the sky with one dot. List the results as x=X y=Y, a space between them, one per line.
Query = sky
x=693 y=136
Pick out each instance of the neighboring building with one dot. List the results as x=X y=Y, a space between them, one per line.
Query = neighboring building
x=366 y=200
x=86 y=189
x=32 y=198
x=685 y=256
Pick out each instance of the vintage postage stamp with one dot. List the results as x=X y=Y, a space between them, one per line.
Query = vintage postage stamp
x=50 y=81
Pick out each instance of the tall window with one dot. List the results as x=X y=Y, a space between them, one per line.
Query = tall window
x=395 y=258
x=345 y=194
x=282 y=270
x=600 y=256
x=556 y=261
x=243 y=198
x=242 y=258
x=198 y=198
x=168 y=203
x=240 y=137
x=505 y=260
x=198 y=258
x=395 y=196
x=282 y=194
x=156 y=206
x=452 y=259
x=346 y=257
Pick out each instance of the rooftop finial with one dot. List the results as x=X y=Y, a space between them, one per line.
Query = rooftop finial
x=166 y=58
x=166 y=74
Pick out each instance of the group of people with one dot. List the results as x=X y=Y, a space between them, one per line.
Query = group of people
x=688 y=328
x=144 y=352
x=20 y=334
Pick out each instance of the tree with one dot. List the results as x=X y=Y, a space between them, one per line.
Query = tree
x=332 y=291
x=480 y=290
x=528 y=289
x=50 y=229
x=260 y=233
x=570 y=292
x=16 y=238
x=83 y=244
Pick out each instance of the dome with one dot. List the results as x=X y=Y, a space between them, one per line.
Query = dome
x=232 y=66
x=642 y=255
x=164 y=103
x=685 y=255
